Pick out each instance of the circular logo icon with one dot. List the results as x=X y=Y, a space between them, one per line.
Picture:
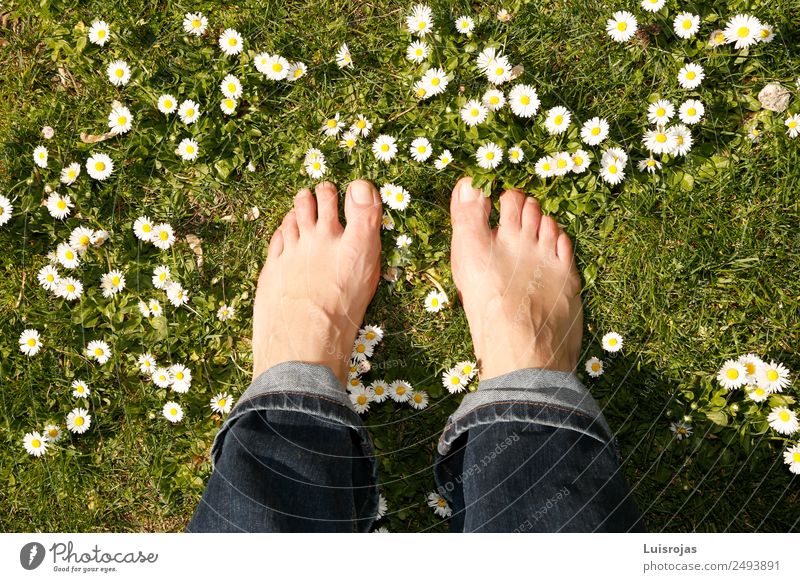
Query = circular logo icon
x=31 y=555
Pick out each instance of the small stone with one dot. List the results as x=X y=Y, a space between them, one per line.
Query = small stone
x=774 y=97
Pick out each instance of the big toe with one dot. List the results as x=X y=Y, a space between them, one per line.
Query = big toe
x=469 y=211
x=363 y=211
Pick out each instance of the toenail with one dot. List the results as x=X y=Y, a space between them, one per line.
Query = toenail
x=467 y=193
x=361 y=193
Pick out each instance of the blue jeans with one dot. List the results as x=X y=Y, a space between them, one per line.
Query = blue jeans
x=529 y=451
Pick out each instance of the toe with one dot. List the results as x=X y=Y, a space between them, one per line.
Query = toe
x=328 y=207
x=548 y=233
x=305 y=209
x=275 y=246
x=564 y=248
x=531 y=216
x=363 y=211
x=511 y=205
x=289 y=230
x=469 y=210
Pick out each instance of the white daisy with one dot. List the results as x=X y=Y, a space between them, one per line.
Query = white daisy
x=143 y=228
x=161 y=377
x=515 y=154
x=465 y=25
x=650 y=165
x=557 y=120
x=681 y=430
x=435 y=81
x=612 y=342
x=189 y=111
x=118 y=73
x=418 y=51
x=418 y=399
x=67 y=256
x=580 y=161
x=562 y=164
x=686 y=24
x=783 y=421
x=792 y=124
x=40 y=156
x=120 y=120
x=751 y=363
x=773 y=377
x=276 y=67
x=486 y=58
x=467 y=369
x=454 y=381
x=400 y=391
x=523 y=100
x=231 y=87
x=195 y=23
x=79 y=420
x=545 y=167
x=35 y=444
x=316 y=168
x=80 y=389
x=360 y=397
x=112 y=283
x=420 y=21
x=29 y=342
x=99 y=33
x=621 y=26
x=181 y=378
x=59 y=206
x=163 y=236
x=144 y=309
x=742 y=30
x=756 y=393
x=332 y=126
x=99 y=166
x=154 y=307
x=384 y=147
x=683 y=139
x=660 y=112
x=691 y=76
x=489 y=156
x=226 y=312
x=691 y=111
x=221 y=403
x=69 y=288
x=343 y=57
x=435 y=301
x=659 y=141
x=439 y=505
x=52 y=433
x=188 y=149
x=172 y=411
x=443 y=160
x=167 y=103
x=99 y=351
x=395 y=197
x=766 y=33
x=499 y=71
x=594 y=367
x=361 y=126
x=403 y=241
x=791 y=457
x=147 y=363
x=228 y=106
x=473 y=113
x=70 y=173
x=296 y=70
x=177 y=295
x=383 y=507
x=732 y=375
x=48 y=278
x=653 y=5
x=80 y=238
x=230 y=42
x=99 y=237
x=594 y=131
x=362 y=349
x=380 y=390
x=493 y=99
x=161 y=277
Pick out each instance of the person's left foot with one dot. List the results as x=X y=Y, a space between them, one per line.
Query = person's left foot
x=319 y=278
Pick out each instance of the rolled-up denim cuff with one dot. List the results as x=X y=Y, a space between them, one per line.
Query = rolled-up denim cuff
x=544 y=397
x=298 y=386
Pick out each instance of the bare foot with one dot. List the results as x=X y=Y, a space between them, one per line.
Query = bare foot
x=318 y=279
x=518 y=283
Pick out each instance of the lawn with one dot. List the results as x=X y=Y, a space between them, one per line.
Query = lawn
x=693 y=265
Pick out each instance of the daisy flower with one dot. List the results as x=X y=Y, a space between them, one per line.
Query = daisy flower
x=545 y=167
x=499 y=71
x=80 y=238
x=195 y=23
x=742 y=30
x=792 y=124
x=99 y=166
x=147 y=363
x=467 y=369
x=387 y=222
x=515 y=154
x=751 y=363
x=189 y=111
x=612 y=342
x=172 y=411
x=80 y=389
x=486 y=58
x=67 y=256
x=228 y=106
x=99 y=351
x=580 y=161
x=400 y=391
x=361 y=126
x=360 y=397
x=112 y=283
x=686 y=24
x=40 y=156
x=783 y=420
x=188 y=149
x=316 y=168
x=420 y=21
x=221 y=403
x=683 y=139
x=621 y=26
x=226 y=312
x=362 y=349
x=454 y=381
x=594 y=131
x=523 y=100
x=690 y=76
x=296 y=71
x=177 y=295
x=161 y=377
x=275 y=67
x=489 y=156
x=756 y=393
x=384 y=147
x=418 y=51
x=99 y=237
x=653 y=5
x=380 y=391
x=465 y=25
x=332 y=126
x=493 y=99
x=691 y=111
x=29 y=342
x=118 y=73
x=231 y=87
x=161 y=277
x=35 y=444
x=766 y=33
x=403 y=241
x=418 y=399
x=52 y=433
x=154 y=307
x=443 y=160
x=557 y=120
x=473 y=113
x=395 y=197
x=143 y=228
x=181 y=378
x=791 y=457
x=70 y=173
x=383 y=507
x=732 y=375
x=435 y=301
x=650 y=165
x=435 y=81
x=594 y=367
x=48 y=278
x=163 y=236
x=69 y=288
x=59 y=206
x=348 y=141
x=562 y=164
x=99 y=33
x=144 y=309
x=343 y=57
x=167 y=103
x=79 y=420
x=230 y=42
x=120 y=120
x=659 y=141
x=772 y=377
x=660 y=112
x=681 y=430
x=439 y=505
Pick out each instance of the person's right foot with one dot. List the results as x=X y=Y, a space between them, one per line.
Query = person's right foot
x=518 y=283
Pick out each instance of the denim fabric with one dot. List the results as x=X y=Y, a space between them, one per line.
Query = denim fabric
x=529 y=451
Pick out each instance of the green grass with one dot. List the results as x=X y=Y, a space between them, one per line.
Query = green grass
x=691 y=271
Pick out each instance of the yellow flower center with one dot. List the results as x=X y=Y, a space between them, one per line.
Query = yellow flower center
x=561 y=164
x=595 y=131
x=489 y=155
x=61 y=205
x=494 y=100
x=559 y=119
x=687 y=24
x=379 y=390
x=231 y=41
x=36 y=443
x=499 y=71
x=546 y=166
x=691 y=75
x=190 y=112
x=401 y=390
x=772 y=375
x=622 y=26
x=84 y=240
x=31 y=342
x=455 y=380
x=69 y=255
x=331 y=123
x=418 y=398
x=596 y=367
x=163 y=235
x=385 y=147
x=79 y=421
x=612 y=341
x=98 y=351
x=691 y=111
x=232 y=87
x=792 y=124
x=743 y=32
x=474 y=112
x=661 y=112
x=167 y=104
x=101 y=33
x=277 y=67
x=222 y=402
x=435 y=81
x=361 y=124
x=52 y=433
x=435 y=302
x=421 y=25
x=760 y=391
x=612 y=170
x=784 y=416
x=661 y=138
x=362 y=400
x=525 y=100
x=732 y=374
x=764 y=32
x=578 y=161
x=173 y=411
x=189 y=149
x=196 y=23
x=119 y=73
x=361 y=348
x=230 y=103
x=50 y=278
x=70 y=287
